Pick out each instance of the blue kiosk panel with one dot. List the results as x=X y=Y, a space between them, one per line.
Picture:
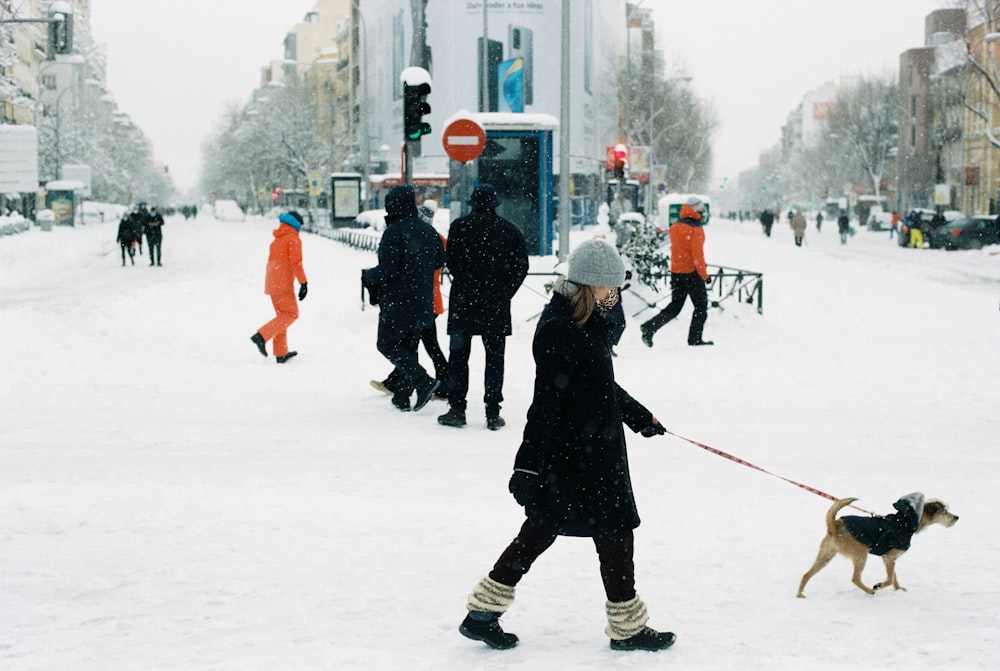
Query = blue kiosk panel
x=517 y=161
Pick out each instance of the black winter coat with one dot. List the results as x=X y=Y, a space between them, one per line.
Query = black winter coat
x=154 y=227
x=487 y=260
x=408 y=254
x=573 y=437
x=137 y=221
x=126 y=234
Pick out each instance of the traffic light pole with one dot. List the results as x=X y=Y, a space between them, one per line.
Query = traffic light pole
x=408 y=152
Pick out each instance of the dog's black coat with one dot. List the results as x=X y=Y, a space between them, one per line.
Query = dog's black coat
x=891 y=532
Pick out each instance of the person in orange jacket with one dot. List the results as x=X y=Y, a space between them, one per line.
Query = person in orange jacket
x=688 y=274
x=284 y=266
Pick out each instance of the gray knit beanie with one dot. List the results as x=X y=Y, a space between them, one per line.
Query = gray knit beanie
x=596 y=263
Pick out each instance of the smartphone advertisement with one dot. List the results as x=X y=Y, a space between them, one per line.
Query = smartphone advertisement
x=510 y=76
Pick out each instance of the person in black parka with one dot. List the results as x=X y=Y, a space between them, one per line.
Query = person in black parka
x=126 y=238
x=767 y=221
x=571 y=472
x=154 y=235
x=408 y=254
x=487 y=261
x=138 y=221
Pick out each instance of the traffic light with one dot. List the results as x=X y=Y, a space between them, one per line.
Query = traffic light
x=621 y=160
x=415 y=106
x=60 y=28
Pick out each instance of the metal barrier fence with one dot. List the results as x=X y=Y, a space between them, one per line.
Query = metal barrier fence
x=747 y=286
x=11 y=227
x=359 y=238
x=725 y=282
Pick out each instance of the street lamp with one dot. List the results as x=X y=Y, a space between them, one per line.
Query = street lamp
x=652 y=140
x=79 y=86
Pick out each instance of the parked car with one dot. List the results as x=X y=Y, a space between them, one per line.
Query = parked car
x=967 y=233
x=373 y=219
x=229 y=210
x=879 y=219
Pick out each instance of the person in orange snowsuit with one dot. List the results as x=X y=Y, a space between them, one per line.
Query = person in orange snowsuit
x=284 y=266
x=688 y=274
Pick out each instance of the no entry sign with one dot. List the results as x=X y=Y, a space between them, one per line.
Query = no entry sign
x=463 y=140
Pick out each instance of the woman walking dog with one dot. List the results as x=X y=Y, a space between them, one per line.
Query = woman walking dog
x=571 y=472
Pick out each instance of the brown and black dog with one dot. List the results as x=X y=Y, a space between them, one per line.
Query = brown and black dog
x=856 y=537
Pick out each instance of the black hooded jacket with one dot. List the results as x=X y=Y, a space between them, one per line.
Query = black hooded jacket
x=408 y=254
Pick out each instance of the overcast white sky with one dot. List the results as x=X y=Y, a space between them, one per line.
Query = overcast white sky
x=174 y=65
x=755 y=59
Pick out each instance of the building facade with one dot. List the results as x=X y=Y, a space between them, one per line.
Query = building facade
x=447 y=41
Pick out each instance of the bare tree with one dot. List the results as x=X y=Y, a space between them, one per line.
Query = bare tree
x=272 y=141
x=865 y=122
x=663 y=113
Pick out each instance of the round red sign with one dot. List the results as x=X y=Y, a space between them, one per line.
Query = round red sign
x=463 y=140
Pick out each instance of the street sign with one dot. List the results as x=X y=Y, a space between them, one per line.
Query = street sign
x=463 y=140
x=315 y=184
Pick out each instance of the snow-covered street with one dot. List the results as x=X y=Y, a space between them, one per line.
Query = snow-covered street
x=171 y=500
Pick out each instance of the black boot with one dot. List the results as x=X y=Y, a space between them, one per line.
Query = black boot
x=401 y=401
x=285 y=357
x=258 y=340
x=484 y=626
x=425 y=392
x=647 y=639
x=454 y=417
x=494 y=422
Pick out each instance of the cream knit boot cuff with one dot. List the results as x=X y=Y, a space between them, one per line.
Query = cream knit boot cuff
x=491 y=596
x=626 y=619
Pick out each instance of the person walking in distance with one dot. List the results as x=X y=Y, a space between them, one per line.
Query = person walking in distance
x=487 y=260
x=571 y=471
x=284 y=266
x=126 y=239
x=843 y=226
x=688 y=274
x=137 y=221
x=798 y=227
x=154 y=235
x=767 y=221
x=408 y=254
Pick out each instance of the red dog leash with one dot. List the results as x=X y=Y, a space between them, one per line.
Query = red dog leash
x=763 y=470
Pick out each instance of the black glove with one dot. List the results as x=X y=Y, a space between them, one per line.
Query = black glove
x=303 y=290
x=523 y=485
x=654 y=429
x=708 y=281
